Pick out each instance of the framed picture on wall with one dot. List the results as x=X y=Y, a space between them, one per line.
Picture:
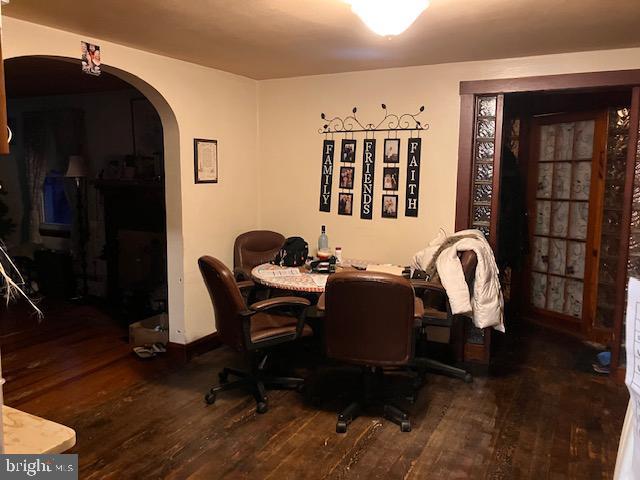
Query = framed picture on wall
x=390 y=178
x=392 y=150
x=205 y=154
x=345 y=204
x=348 y=151
x=389 y=206
x=346 y=177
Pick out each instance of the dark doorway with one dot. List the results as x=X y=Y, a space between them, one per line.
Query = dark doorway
x=84 y=188
x=562 y=173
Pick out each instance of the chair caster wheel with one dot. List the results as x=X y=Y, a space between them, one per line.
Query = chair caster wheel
x=210 y=398
x=300 y=388
x=223 y=377
x=405 y=426
x=468 y=378
x=262 y=407
x=341 y=427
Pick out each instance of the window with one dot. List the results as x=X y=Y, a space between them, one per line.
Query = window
x=56 y=208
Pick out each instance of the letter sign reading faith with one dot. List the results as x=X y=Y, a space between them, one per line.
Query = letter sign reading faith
x=327 y=175
x=413 y=177
x=368 y=170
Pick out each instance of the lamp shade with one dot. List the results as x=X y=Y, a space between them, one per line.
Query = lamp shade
x=77 y=167
x=388 y=17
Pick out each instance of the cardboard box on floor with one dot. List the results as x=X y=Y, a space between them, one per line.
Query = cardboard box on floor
x=149 y=331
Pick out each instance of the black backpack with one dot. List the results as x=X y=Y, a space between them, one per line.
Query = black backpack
x=293 y=253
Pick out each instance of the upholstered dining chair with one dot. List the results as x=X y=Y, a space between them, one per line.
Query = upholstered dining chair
x=437 y=313
x=254 y=248
x=251 y=330
x=370 y=321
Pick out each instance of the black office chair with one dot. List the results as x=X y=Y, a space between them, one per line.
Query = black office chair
x=252 y=330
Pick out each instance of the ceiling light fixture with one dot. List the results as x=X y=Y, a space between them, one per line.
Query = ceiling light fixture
x=388 y=17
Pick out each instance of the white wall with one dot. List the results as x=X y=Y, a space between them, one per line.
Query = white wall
x=290 y=146
x=194 y=102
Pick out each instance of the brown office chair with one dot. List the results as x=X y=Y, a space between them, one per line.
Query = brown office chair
x=370 y=321
x=254 y=248
x=251 y=330
x=437 y=313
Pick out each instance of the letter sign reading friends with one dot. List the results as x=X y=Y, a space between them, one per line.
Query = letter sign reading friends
x=413 y=177
x=368 y=170
x=327 y=175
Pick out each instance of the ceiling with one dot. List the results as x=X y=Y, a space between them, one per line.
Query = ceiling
x=282 y=38
x=24 y=78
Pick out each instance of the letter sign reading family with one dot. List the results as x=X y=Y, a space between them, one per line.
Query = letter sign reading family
x=413 y=177
x=327 y=175
x=368 y=170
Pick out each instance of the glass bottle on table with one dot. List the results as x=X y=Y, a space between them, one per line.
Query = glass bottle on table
x=323 y=241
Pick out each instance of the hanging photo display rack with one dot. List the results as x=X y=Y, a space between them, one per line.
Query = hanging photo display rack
x=350 y=125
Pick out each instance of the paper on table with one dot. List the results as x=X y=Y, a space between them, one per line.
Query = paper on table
x=631 y=457
x=388 y=268
x=319 y=279
x=282 y=272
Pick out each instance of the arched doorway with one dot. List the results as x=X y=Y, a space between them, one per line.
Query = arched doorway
x=126 y=167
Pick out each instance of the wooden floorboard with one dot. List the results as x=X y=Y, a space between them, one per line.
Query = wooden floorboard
x=540 y=414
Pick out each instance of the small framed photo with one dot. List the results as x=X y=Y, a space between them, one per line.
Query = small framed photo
x=392 y=150
x=390 y=178
x=205 y=158
x=389 y=206
x=346 y=177
x=348 y=151
x=345 y=204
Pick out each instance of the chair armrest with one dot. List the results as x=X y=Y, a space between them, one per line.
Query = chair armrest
x=279 y=302
x=243 y=285
x=422 y=285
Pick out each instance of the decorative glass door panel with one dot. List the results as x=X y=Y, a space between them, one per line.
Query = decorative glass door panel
x=565 y=159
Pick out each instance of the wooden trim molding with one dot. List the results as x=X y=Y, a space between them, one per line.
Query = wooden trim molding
x=623 y=258
x=465 y=163
x=184 y=353
x=570 y=81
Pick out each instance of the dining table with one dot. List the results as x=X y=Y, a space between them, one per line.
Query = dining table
x=302 y=279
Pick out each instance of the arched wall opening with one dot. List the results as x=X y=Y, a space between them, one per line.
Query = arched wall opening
x=172 y=185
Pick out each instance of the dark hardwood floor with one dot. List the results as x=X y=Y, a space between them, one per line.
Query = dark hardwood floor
x=540 y=414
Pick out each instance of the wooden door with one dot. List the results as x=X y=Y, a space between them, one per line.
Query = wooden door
x=565 y=192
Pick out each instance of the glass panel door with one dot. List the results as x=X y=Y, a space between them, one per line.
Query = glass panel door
x=565 y=156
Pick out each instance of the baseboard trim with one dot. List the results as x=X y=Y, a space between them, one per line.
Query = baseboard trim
x=186 y=352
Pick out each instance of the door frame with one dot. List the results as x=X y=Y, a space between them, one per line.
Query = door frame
x=469 y=91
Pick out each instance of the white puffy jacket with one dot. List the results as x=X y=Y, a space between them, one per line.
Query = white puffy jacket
x=486 y=305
